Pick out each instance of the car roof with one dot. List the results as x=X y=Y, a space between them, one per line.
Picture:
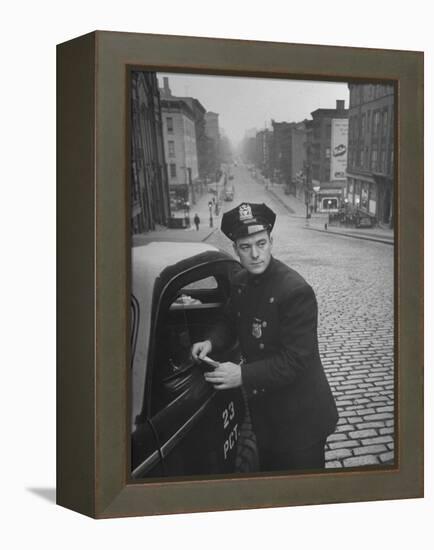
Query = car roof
x=157 y=255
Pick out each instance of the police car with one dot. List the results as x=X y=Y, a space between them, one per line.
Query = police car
x=180 y=425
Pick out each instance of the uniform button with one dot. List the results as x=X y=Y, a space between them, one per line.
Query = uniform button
x=239 y=291
x=262 y=390
x=255 y=392
x=261 y=345
x=264 y=323
x=238 y=313
x=271 y=299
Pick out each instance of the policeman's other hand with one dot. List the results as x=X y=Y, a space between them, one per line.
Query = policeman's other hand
x=224 y=377
x=200 y=350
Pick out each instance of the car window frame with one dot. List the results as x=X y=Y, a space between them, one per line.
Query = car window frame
x=147 y=413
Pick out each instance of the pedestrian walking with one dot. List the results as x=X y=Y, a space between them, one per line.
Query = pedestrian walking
x=273 y=311
x=196 y=220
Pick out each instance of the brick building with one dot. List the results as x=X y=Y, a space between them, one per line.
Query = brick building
x=212 y=131
x=288 y=153
x=180 y=150
x=264 y=151
x=370 y=171
x=203 y=145
x=326 y=147
x=149 y=185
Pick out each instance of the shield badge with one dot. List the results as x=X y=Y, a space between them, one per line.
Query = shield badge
x=245 y=212
x=257 y=328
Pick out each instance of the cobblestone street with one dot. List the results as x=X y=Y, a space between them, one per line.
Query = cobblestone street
x=353 y=282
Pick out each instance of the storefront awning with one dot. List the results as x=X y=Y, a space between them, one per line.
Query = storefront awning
x=329 y=192
x=361 y=177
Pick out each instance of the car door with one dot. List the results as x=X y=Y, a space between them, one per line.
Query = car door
x=196 y=427
x=145 y=452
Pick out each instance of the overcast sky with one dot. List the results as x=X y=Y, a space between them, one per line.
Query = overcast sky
x=245 y=103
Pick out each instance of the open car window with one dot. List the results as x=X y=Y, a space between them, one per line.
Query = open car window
x=191 y=306
x=201 y=294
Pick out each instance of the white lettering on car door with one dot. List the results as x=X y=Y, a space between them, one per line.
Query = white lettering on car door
x=228 y=415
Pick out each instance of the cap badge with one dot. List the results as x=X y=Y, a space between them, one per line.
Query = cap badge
x=245 y=212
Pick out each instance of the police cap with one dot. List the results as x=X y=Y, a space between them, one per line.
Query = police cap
x=246 y=219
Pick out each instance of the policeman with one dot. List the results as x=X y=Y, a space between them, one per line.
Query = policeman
x=273 y=310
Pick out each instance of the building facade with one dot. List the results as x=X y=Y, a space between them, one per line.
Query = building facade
x=212 y=131
x=247 y=148
x=179 y=136
x=370 y=171
x=326 y=185
x=202 y=140
x=264 y=149
x=149 y=184
x=288 y=153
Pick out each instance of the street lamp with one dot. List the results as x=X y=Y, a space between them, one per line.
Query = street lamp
x=187 y=213
x=210 y=213
x=316 y=190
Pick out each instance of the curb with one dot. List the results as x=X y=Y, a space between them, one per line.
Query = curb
x=331 y=232
x=209 y=234
x=290 y=210
x=352 y=236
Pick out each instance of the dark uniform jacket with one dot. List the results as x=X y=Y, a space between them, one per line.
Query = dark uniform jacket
x=275 y=317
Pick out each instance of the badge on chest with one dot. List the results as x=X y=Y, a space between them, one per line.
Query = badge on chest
x=256 y=328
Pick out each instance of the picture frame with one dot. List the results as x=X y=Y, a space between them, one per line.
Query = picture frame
x=93 y=273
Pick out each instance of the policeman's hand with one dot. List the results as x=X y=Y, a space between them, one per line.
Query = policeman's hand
x=200 y=350
x=224 y=377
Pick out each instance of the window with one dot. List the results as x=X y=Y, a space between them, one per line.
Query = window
x=374 y=156
x=190 y=307
x=392 y=130
x=365 y=158
x=383 y=161
x=202 y=284
x=171 y=148
x=364 y=196
x=169 y=122
x=355 y=127
x=173 y=170
x=385 y=120
x=376 y=123
x=328 y=204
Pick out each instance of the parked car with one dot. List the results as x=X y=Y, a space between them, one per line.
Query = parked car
x=228 y=194
x=364 y=220
x=180 y=425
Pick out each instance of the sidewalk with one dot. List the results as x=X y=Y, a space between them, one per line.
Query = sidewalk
x=377 y=234
x=162 y=233
x=318 y=222
x=294 y=206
